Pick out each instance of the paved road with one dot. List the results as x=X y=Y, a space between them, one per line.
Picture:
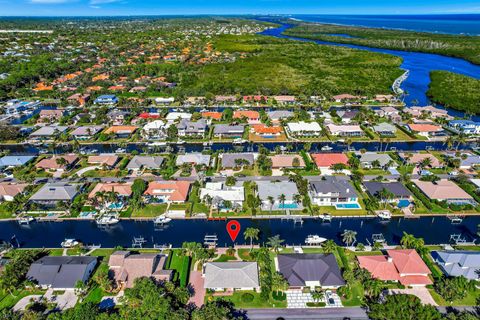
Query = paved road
x=307 y=314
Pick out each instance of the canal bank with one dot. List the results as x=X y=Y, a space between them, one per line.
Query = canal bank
x=434 y=230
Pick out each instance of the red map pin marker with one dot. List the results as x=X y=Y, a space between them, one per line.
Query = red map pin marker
x=233 y=229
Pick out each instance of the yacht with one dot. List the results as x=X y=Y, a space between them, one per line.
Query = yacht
x=326 y=148
x=107 y=220
x=69 y=243
x=25 y=220
x=384 y=214
x=162 y=219
x=157 y=144
x=314 y=240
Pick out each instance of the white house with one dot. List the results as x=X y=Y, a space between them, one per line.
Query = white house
x=304 y=128
x=220 y=193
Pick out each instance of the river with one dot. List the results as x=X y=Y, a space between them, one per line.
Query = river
x=419 y=64
x=435 y=230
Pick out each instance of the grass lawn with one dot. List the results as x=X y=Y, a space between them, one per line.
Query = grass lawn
x=200 y=208
x=238 y=299
x=181 y=265
x=224 y=258
x=7 y=300
x=4 y=214
x=55 y=252
x=356 y=296
x=95 y=295
x=150 y=211
x=334 y=212
x=469 y=300
x=178 y=206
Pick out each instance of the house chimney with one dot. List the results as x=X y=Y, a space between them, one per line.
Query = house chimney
x=389 y=259
x=348 y=190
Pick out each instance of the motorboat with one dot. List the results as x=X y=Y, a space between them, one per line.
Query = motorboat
x=326 y=148
x=179 y=141
x=107 y=220
x=162 y=219
x=69 y=243
x=384 y=214
x=238 y=141
x=326 y=217
x=314 y=240
x=25 y=220
x=157 y=144
x=120 y=150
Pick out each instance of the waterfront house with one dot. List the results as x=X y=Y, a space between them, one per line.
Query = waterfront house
x=278 y=115
x=369 y=160
x=425 y=129
x=456 y=263
x=384 y=98
x=127 y=267
x=51 y=194
x=444 y=190
x=304 y=129
x=9 y=190
x=310 y=270
x=236 y=160
x=385 y=129
x=155 y=130
x=262 y=131
x=14 y=161
x=467 y=127
x=58 y=163
x=391 y=113
x=212 y=115
x=253 y=117
x=61 y=273
x=225 y=98
x=177 y=116
x=221 y=193
x=106 y=99
x=400 y=265
x=347 y=116
x=167 y=191
x=345 y=97
x=287 y=161
x=223 y=131
x=417 y=158
x=334 y=191
x=50 y=116
x=164 y=101
x=47 y=133
x=78 y=99
x=254 y=99
x=145 y=162
x=122 y=190
x=194 y=158
x=430 y=111
x=345 y=130
x=121 y=131
x=283 y=100
x=104 y=160
x=467 y=159
x=85 y=132
x=326 y=160
x=230 y=276
x=398 y=191
x=272 y=192
x=187 y=128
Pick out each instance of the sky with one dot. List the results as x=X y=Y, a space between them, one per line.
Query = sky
x=190 y=7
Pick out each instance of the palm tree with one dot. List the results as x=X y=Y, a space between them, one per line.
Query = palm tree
x=317 y=295
x=297 y=198
x=408 y=240
x=373 y=288
x=271 y=200
x=281 y=199
x=279 y=283
x=329 y=246
x=461 y=140
x=349 y=237
x=275 y=242
x=252 y=234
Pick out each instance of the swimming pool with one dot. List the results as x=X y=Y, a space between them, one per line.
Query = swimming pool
x=346 y=206
x=115 y=206
x=288 y=206
x=403 y=203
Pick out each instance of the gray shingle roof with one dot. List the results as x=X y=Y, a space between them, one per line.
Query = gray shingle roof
x=275 y=189
x=196 y=158
x=8 y=161
x=369 y=157
x=145 y=162
x=59 y=272
x=299 y=268
x=48 y=131
x=332 y=184
x=57 y=192
x=396 y=188
x=231 y=275
x=280 y=114
x=228 y=159
x=458 y=263
x=225 y=128
x=384 y=127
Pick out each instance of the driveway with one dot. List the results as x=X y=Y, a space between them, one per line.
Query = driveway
x=421 y=292
x=196 y=283
x=25 y=301
x=82 y=171
x=64 y=301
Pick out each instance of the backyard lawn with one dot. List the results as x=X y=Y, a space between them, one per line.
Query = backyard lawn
x=150 y=211
x=181 y=265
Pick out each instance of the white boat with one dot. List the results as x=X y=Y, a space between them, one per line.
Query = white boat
x=180 y=141
x=326 y=148
x=157 y=144
x=107 y=220
x=120 y=150
x=69 y=243
x=314 y=239
x=162 y=219
x=384 y=214
x=238 y=141
x=25 y=220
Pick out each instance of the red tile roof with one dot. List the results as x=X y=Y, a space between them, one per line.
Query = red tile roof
x=212 y=115
x=247 y=114
x=329 y=159
x=263 y=129
x=177 y=190
x=424 y=127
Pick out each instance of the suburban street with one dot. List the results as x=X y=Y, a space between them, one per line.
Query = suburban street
x=301 y=314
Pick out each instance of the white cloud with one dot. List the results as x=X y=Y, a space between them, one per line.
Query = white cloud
x=51 y=1
x=94 y=2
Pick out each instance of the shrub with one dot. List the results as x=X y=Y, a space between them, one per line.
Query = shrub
x=247 y=297
x=279 y=296
x=316 y=304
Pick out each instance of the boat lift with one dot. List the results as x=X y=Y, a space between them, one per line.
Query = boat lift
x=378 y=237
x=326 y=217
x=457 y=239
x=210 y=240
x=455 y=219
x=138 y=242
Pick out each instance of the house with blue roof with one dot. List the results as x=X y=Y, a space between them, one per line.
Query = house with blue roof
x=458 y=263
x=465 y=126
x=14 y=161
x=106 y=99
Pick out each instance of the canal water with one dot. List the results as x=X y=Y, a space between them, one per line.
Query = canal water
x=434 y=230
x=419 y=64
